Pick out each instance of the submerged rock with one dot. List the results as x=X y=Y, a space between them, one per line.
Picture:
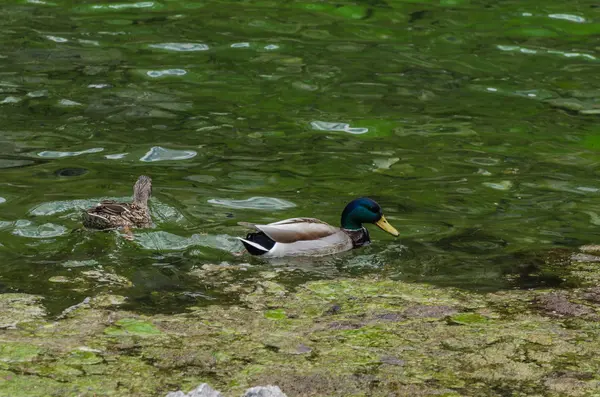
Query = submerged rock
x=19 y=308
x=204 y=390
x=264 y=391
x=338 y=338
x=557 y=304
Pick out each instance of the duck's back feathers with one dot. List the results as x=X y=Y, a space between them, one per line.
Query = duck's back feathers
x=111 y=214
x=297 y=229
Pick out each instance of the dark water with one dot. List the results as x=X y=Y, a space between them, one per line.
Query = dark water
x=473 y=123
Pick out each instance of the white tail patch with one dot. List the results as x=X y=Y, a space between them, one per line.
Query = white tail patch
x=257 y=246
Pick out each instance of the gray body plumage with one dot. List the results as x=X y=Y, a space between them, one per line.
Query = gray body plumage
x=308 y=237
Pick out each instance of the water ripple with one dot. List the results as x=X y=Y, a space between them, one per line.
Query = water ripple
x=158 y=153
x=37 y=94
x=10 y=99
x=254 y=203
x=166 y=72
x=163 y=241
x=328 y=126
x=116 y=156
x=68 y=102
x=56 y=154
x=141 y=4
x=158 y=210
x=503 y=185
x=57 y=39
x=515 y=48
x=55 y=207
x=71 y=264
x=26 y=228
x=568 y=17
x=180 y=46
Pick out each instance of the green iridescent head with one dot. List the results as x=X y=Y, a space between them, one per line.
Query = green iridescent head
x=365 y=210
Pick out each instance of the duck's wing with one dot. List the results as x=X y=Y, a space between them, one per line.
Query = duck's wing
x=95 y=221
x=297 y=229
x=108 y=207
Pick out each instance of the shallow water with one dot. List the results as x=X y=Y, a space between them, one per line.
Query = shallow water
x=473 y=123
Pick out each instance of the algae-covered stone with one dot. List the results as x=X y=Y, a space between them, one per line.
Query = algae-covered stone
x=104 y=276
x=593 y=249
x=343 y=337
x=59 y=371
x=558 y=304
x=83 y=357
x=107 y=300
x=19 y=308
x=14 y=384
x=132 y=326
x=278 y=314
x=467 y=319
x=18 y=352
x=60 y=279
x=266 y=294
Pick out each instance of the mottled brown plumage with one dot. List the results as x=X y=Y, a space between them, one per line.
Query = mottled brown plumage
x=110 y=214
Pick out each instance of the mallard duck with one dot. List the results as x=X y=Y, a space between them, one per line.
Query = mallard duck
x=110 y=214
x=312 y=237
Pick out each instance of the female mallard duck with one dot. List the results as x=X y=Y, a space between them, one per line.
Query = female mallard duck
x=312 y=237
x=110 y=214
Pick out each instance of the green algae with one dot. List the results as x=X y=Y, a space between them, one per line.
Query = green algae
x=83 y=357
x=19 y=309
x=346 y=337
x=467 y=318
x=18 y=352
x=278 y=314
x=131 y=326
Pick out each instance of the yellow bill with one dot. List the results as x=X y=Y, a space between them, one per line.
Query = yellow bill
x=383 y=224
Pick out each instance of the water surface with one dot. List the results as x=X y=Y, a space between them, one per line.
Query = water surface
x=473 y=123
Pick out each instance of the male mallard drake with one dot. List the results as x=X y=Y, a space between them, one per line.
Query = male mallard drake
x=110 y=214
x=312 y=237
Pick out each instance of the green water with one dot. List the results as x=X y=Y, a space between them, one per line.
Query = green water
x=473 y=123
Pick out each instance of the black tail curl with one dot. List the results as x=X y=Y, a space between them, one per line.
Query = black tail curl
x=261 y=239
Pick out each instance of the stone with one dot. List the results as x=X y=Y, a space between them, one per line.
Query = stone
x=20 y=308
x=178 y=393
x=264 y=391
x=204 y=390
x=557 y=305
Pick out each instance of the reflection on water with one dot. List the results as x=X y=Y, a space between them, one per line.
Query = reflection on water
x=326 y=126
x=158 y=153
x=257 y=203
x=26 y=228
x=162 y=241
x=474 y=127
x=180 y=46
x=55 y=154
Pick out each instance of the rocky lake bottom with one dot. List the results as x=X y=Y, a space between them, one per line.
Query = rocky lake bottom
x=348 y=337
